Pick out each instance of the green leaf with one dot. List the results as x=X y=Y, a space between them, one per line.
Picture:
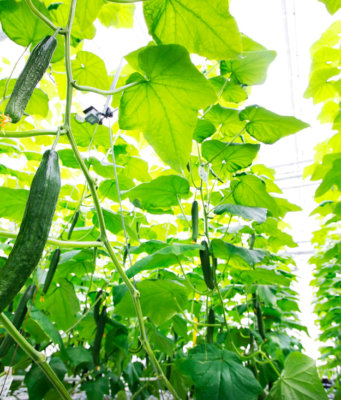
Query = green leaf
x=13 y=203
x=240 y=255
x=46 y=325
x=299 y=380
x=229 y=90
x=205 y=28
x=260 y=275
x=62 y=304
x=251 y=191
x=233 y=156
x=268 y=127
x=78 y=356
x=250 y=67
x=159 y=194
x=80 y=262
x=219 y=375
x=333 y=177
x=203 y=130
x=68 y=158
x=256 y=213
x=38 y=103
x=113 y=223
x=160 y=341
x=96 y=389
x=118 y=15
x=20 y=24
x=168 y=295
x=36 y=381
x=108 y=187
x=89 y=70
x=164 y=105
x=162 y=258
x=85 y=15
x=332 y=5
x=226 y=119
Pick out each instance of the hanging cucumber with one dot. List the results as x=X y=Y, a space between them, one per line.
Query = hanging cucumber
x=73 y=224
x=34 y=229
x=99 y=335
x=206 y=266
x=52 y=269
x=18 y=318
x=210 y=329
x=30 y=76
x=195 y=220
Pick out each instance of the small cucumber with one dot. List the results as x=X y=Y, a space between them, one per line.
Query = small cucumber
x=18 y=318
x=73 y=224
x=210 y=329
x=29 y=78
x=52 y=269
x=206 y=266
x=195 y=220
x=34 y=229
x=97 y=306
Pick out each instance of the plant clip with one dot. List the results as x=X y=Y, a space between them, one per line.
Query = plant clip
x=93 y=116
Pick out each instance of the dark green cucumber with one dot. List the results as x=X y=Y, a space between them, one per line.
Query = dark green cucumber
x=210 y=329
x=30 y=76
x=195 y=220
x=99 y=335
x=206 y=265
x=73 y=224
x=34 y=229
x=97 y=306
x=18 y=318
x=52 y=269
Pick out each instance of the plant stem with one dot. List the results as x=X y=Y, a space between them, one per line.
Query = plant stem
x=30 y=133
x=37 y=357
x=67 y=126
x=42 y=17
x=102 y=92
x=58 y=243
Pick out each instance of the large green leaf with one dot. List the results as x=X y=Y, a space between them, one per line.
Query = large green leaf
x=267 y=126
x=251 y=191
x=299 y=380
x=219 y=375
x=162 y=258
x=232 y=156
x=167 y=295
x=256 y=213
x=164 y=105
x=20 y=24
x=62 y=304
x=205 y=28
x=250 y=67
x=89 y=70
x=159 y=194
x=13 y=202
x=117 y=15
x=241 y=255
x=229 y=90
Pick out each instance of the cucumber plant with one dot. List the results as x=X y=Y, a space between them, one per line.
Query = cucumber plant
x=136 y=304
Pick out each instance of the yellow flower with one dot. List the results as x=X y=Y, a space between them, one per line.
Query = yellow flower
x=4 y=120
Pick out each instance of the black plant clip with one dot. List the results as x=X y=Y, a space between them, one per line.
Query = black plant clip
x=93 y=116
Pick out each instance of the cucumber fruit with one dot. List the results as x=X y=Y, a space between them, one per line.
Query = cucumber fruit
x=30 y=76
x=18 y=318
x=206 y=265
x=34 y=229
x=52 y=269
x=195 y=220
